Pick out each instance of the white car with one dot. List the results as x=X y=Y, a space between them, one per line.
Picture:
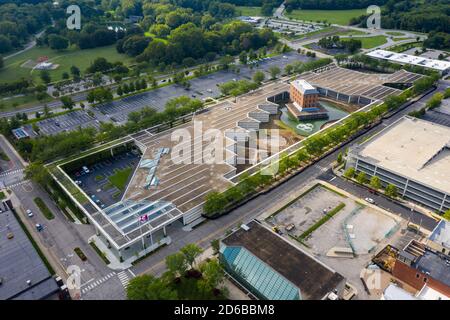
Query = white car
x=29 y=213
x=370 y=200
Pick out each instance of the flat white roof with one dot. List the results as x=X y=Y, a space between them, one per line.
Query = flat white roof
x=304 y=86
x=439 y=65
x=428 y=293
x=413 y=148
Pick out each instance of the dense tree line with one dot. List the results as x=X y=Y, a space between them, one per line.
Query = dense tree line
x=18 y=21
x=350 y=45
x=433 y=15
x=190 y=40
x=331 y=4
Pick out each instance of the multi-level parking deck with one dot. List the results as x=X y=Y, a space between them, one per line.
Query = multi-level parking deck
x=186 y=180
x=357 y=87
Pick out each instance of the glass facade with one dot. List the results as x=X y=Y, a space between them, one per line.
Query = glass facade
x=259 y=278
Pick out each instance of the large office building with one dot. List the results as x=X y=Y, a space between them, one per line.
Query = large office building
x=273 y=269
x=441 y=66
x=413 y=155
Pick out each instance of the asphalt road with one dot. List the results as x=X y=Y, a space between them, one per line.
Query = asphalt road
x=380 y=200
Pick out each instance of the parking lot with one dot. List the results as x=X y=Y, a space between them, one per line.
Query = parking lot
x=67 y=122
x=307 y=210
x=96 y=183
x=298 y=28
x=201 y=87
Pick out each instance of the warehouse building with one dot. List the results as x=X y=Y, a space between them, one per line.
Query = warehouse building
x=413 y=155
x=273 y=269
x=441 y=66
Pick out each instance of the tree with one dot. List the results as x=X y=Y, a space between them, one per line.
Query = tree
x=375 y=182
x=274 y=72
x=215 y=245
x=361 y=178
x=176 y=264
x=288 y=69
x=38 y=173
x=339 y=158
x=2 y=63
x=349 y=173
x=446 y=215
x=191 y=253
x=45 y=76
x=258 y=77
x=75 y=71
x=147 y=287
x=65 y=75
x=119 y=91
x=243 y=57
x=57 y=42
x=391 y=191
x=67 y=102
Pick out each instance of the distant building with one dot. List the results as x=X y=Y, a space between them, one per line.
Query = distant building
x=419 y=266
x=252 y=20
x=305 y=101
x=441 y=66
x=413 y=155
x=273 y=269
x=20 y=133
x=439 y=239
x=23 y=274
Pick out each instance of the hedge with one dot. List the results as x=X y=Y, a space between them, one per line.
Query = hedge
x=324 y=219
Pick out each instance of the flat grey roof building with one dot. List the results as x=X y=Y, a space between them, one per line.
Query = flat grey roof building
x=412 y=154
x=19 y=263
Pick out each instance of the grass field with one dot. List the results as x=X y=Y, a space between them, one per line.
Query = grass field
x=372 y=42
x=22 y=101
x=341 y=17
x=249 y=11
x=351 y=33
x=120 y=178
x=80 y=58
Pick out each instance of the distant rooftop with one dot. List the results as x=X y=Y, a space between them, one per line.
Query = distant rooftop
x=439 y=65
x=19 y=263
x=304 y=87
x=434 y=265
x=314 y=279
x=429 y=143
x=441 y=234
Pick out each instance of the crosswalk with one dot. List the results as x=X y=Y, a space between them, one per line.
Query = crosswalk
x=9 y=172
x=18 y=184
x=124 y=279
x=97 y=282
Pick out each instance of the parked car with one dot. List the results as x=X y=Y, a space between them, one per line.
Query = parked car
x=29 y=213
x=39 y=227
x=370 y=200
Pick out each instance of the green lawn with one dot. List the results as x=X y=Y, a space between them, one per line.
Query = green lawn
x=372 y=42
x=19 y=102
x=2 y=195
x=249 y=11
x=341 y=17
x=400 y=39
x=351 y=33
x=80 y=58
x=120 y=178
